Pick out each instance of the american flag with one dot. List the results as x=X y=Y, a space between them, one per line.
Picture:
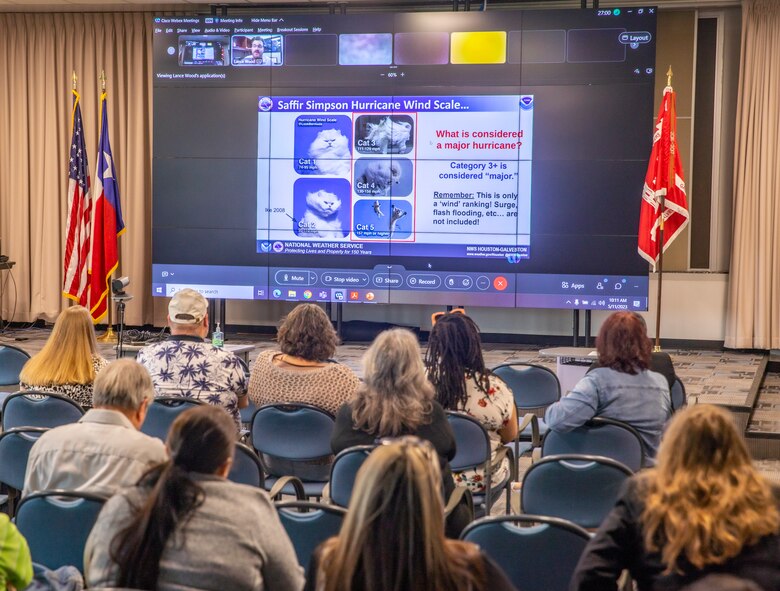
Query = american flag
x=79 y=213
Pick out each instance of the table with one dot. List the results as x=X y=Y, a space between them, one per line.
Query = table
x=241 y=349
x=572 y=364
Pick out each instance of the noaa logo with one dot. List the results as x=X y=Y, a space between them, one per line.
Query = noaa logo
x=526 y=103
x=265 y=103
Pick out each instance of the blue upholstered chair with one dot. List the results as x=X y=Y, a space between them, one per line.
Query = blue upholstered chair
x=162 y=411
x=15 y=446
x=678 y=395
x=599 y=437
x=308 y=525
x=534 y=388
x=12 y=359
x=294 y=440
x=39 y=409
x=473 y=451
x=246 y=468
x=536 y=553
x=582 y=489
x=344 y=471
x=56 y=525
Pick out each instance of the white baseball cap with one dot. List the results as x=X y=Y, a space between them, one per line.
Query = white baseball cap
x=187 y=306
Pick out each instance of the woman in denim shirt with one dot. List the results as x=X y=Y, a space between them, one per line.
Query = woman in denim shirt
x=622 y=388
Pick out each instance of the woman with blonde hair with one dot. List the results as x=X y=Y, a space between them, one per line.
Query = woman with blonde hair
x=703 y=509
x=69 y=360
x=396 y=399
x=302 y=370
x=393 y=534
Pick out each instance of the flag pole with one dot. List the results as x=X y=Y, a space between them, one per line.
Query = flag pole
x=662 y=207
x=109 y=336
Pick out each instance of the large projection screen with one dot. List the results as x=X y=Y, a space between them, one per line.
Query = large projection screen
x=478 y=158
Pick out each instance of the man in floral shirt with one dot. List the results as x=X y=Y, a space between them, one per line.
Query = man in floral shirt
x=186 y=365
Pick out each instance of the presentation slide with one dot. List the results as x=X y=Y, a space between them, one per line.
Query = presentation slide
x=491 y=158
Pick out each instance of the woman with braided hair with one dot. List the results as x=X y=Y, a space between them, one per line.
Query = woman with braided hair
x=457 y=371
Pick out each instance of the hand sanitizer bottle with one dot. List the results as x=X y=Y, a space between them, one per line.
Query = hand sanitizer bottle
x=217 y=337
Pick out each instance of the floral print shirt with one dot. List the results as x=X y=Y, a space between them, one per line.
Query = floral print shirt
x=189 y=366
x=493 y=409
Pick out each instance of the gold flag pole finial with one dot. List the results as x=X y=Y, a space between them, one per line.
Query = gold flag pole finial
x=75 y=79
x=669 y=76
x=103 y=80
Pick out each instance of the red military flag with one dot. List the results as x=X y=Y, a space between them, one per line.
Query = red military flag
x=107 y=225
x=77 y=240
x=664 y=210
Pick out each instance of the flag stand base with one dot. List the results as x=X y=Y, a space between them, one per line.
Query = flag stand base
x=109 y=336
x=656 y=348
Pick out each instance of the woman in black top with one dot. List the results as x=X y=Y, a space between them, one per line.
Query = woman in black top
x=396 y=399
x=703 y=509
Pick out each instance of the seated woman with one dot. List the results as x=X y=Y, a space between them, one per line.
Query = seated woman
x=69 y=360
x=703 y=509
x=395 y=399
x=622 y=388
x=303 y=371
x=457 y=371
x=184 y=526
x=393 y=534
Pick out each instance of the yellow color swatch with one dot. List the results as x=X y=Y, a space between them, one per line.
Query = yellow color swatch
x=478 y=47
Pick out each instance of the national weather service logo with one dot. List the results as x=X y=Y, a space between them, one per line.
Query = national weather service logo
x=265 y=103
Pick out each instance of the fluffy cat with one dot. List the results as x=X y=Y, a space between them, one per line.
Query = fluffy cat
x=321 y=219
x=330 y=150
x=382 y=174
x=390 y=136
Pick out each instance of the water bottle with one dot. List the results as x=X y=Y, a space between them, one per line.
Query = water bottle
x=218 y=337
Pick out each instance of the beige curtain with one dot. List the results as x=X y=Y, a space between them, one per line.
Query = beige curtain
x=753 y=316
x=38 y=53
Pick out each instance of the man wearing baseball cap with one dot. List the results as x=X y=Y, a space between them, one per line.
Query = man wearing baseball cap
x=186 y=365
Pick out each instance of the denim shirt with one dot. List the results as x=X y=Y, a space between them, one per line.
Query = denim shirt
x=642 y=400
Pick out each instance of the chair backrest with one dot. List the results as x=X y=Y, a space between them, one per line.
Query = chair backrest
x=472 y=442
x=533 y=386
x=56 y=524
x=161 y=413
x=308 y=525
x=246 y=467
x=541 y=555
x=678 y=395
x=290 y=433
x=39 y=409
x=344 y=471
x=12 y=360
x=599 y=437
x=15 y=446
x=580 y=488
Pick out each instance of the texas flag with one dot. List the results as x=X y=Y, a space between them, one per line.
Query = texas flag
x=107 y=223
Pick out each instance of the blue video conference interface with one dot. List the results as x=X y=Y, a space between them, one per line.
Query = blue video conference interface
x=492 y=158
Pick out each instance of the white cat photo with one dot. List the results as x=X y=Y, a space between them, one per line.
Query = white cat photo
x=330 y=151
x=391 y=136
x=321 y=219
x=379 y=176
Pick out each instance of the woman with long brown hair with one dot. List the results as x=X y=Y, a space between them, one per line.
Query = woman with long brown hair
x=396 y=399
x=186 y=527
x=69 y=360
x=393 y=535
x=703 y=509
x=622 y=388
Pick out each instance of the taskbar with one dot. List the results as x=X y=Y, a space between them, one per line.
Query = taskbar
x=393 y=284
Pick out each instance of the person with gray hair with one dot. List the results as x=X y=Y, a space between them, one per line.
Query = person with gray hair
x=104 y=451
